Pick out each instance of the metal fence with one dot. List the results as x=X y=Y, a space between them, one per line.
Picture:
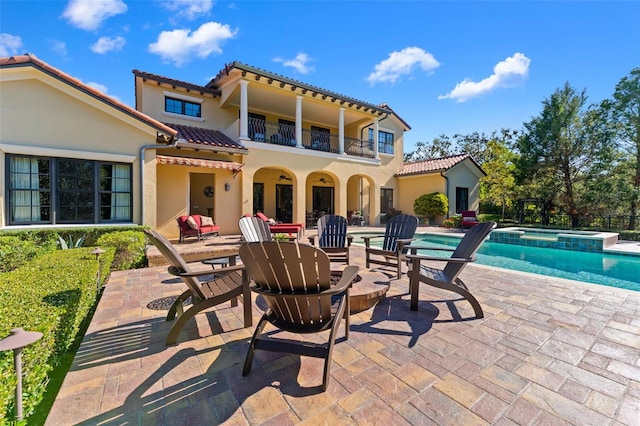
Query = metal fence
x=595 y=222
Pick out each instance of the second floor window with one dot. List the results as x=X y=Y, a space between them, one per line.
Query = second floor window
x=178 y=106
x=385 y=141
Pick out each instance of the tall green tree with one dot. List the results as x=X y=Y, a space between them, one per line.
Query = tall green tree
x=499 y=185
x=560 y=149
x=624 y=114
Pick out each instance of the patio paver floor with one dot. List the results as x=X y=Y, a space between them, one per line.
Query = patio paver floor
x=549 y=351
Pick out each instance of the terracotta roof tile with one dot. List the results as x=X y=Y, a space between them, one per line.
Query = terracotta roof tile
x=435 y=165
x=179 y=83
x=206 y=137
x=32 y=60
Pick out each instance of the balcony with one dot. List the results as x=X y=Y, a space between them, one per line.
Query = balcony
x=313 y=139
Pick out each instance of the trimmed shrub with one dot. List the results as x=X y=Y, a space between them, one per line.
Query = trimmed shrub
x=54 y=294
x=129 y=249
x=15 y=252
x=431 y=205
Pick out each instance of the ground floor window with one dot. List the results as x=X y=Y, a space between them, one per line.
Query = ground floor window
x=386 y=199
x=462 y=199
x=63 y=190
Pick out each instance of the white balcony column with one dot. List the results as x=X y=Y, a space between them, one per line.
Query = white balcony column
x=376 y=122
x=299 y=121
x=244 y=111
x=341 y=132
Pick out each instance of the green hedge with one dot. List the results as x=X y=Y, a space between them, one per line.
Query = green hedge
x=130 y=248
x=54 y=294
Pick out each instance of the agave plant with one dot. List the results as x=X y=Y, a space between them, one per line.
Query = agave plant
x=64 y=245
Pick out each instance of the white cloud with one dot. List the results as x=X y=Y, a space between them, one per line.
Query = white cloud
x=108 y=44
x=507 y=73
x=9 y=44
x=59 y=47
x=402 y=63
x=189 y=9
x=179 y=46
x=89 y=14
x=299 y=63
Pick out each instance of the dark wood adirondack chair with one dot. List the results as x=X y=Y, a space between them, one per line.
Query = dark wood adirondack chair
x=332 y=237
x=228 y=284
x=448 y=277
x=254 y=229
x=295 y=282
x=398 y=234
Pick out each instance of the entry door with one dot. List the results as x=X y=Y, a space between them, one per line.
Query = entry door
x=462 y=199
x=284 y=203
x=323 y=199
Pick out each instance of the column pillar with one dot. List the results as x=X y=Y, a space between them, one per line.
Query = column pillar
x=299 y=121
x=341 y=132
x=376 y=122
x=244 y=110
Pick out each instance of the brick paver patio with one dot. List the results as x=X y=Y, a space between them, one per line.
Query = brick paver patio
x=549 y=351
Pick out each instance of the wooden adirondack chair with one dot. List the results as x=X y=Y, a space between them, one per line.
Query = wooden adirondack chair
x=228 y=284
x=332 y=237
x=448 y=277
x=295 y=282
x=398 y=234
x=254 y=229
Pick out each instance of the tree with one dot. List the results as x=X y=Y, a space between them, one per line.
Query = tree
x=499 y=185
x=431 y=205
x=473 y=144
x=624 y=113
x=561 y=148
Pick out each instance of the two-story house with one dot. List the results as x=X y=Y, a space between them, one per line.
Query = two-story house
x=251 y=140
x=247 y=141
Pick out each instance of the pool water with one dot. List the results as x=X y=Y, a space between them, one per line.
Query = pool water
x=597 y=268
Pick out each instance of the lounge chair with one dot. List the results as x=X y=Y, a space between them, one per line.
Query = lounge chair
x=228 y=284
x=332 y=237
x=398 y=234
x=469 y=218
x=254 y=229
x=284 y=228
x=295 y=281
x=448 y=277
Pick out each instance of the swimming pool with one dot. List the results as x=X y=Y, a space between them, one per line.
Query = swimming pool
x=597 y=268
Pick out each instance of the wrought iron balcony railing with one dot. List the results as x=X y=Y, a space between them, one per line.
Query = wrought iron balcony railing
x=285 y=134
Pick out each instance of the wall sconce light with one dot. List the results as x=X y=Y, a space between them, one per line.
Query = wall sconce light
x=227 y=187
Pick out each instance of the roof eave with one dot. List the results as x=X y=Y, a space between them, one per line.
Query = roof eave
x=213 y=148
x=262 y=73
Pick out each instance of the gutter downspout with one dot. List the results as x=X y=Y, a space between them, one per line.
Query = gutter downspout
x=386 y=115
x=446 y=179
x=173 y=142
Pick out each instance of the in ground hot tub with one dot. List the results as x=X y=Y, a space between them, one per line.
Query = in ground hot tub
x=554 y=238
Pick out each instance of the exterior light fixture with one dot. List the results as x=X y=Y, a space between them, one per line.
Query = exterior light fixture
x=98 y=251
x=227 y=187
x=17 y=340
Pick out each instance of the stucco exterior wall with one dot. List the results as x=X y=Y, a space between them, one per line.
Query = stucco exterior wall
x=464 y=176
x=411 y=187
x=40 y=115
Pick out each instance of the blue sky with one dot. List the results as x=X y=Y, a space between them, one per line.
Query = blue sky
x=444 y=67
